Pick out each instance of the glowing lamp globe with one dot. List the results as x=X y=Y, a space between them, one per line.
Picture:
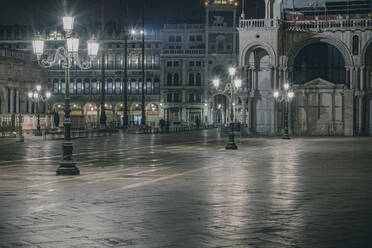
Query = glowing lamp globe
x=72 y=45
x=68 y=23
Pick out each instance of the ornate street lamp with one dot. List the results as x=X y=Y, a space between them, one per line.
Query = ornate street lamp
x=232 y=87
x=69 y=55
x=37 y=96
x=285 y=95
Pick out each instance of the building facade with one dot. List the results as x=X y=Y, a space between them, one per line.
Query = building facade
x=19 y=74
x=324 y=52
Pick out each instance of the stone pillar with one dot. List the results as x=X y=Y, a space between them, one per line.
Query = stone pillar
x=349 y=112
x=362 y=78
x=360 y=114
x=250 y=115
x=275 y=77
x=244 y=112
x=18 y=107
x=347 y=79
x=12 y=100
x=183 y=114
x=370 y=116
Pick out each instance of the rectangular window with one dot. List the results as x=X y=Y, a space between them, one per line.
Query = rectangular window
x=169 y=63
x=198 y=63
x=191 y=63
x=192 y=38
x=176 y=97
x=178 y=39
x=176 y=64
x=199 y=38
x=171 y=39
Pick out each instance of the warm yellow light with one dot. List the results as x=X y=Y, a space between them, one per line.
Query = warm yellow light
x=232 y=71
x=276 y=94
x=216 y=82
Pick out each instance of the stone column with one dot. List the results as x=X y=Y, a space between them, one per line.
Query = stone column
x=250 y=115
x=12 y=100
x=18 y=106
x=244 y=113
x=362 y=78
x=349 y=112
x=275 y=77
x=347 y=79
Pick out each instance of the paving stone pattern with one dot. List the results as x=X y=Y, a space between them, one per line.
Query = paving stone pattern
x=186 y=190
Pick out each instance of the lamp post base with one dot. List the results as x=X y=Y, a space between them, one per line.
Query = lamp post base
x=231 y=144
x=286 y=136
x=67 y=168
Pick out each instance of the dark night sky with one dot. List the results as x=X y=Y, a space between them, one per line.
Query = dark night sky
x=35 y=12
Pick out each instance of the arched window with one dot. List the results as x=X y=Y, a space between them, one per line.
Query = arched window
x=156 y=61
x=148 y=86
x=176 y=79
x=117 y=86
x=198 y=79
x=355 y=45
x=94 y=86
x=110 y=61
x=118 y=61
x=156 y=86
x=79 y=86
x=72 y=86
x=149 y=61
x=133 y=87
x=169 y=79
x=191 y=79
x=86 y=86
x=109 y=86
x=55 y=86
x=63 y=86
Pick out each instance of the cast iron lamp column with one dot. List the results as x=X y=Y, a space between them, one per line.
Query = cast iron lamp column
x=285 y=95
x=69 y=55
x=231 y=87
x=36 y=96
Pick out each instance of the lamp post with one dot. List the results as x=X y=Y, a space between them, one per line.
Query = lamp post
x=285 y=95
x=68 y=54
x=234 y=85
x=37 y=96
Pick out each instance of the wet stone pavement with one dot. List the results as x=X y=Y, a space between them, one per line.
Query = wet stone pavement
x=186 y=190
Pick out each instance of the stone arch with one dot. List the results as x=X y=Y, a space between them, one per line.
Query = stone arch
x=251 y=47
x=365 y=50
x=341 y=46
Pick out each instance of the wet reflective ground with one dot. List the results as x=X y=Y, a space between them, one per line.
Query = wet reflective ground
x=186 y=190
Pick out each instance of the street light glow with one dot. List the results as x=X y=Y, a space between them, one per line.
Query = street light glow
x=238 y=83
x=48 y=94
x=72 y=45
x=133 y=31
x=93 y=47
x=38 y=87
x=68 y=23
x=38 y=46
x=30 y=94
x=290 y=94
x=276 y=94
x=232 y=71
x=286 y=86
x=216 y=82
x=36 y=95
